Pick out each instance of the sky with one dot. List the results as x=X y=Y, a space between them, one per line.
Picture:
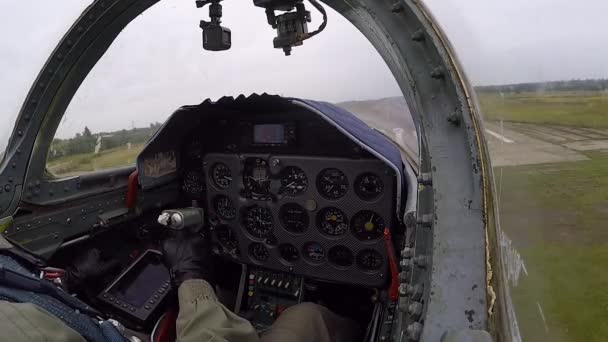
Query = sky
x=157 y=63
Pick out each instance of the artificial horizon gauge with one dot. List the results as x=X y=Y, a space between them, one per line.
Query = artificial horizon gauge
x=294 y=217
x=293 y=181
x=258 y=221
x=368 y=186
x=313 y=251
x=367 y=225
x=332 y=221
x=221 y=174
x=224 y=207
x=332 y=184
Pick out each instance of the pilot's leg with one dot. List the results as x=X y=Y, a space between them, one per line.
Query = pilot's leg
x=312 y=323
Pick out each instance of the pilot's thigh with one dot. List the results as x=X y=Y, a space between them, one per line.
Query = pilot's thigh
x=311 y=322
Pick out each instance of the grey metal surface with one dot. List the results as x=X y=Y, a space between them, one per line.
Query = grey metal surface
x=350 y=204
x=441 y=102
x=44 y=231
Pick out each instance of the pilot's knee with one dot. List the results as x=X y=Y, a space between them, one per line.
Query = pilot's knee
x=306 y=309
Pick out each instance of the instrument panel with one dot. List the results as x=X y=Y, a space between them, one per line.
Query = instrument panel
x=321 y=217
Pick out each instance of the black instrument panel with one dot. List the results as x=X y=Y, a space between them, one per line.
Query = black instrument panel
x=321 y=217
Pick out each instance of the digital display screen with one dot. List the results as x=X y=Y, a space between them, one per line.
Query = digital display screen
x=269 y=134
x=141 y=282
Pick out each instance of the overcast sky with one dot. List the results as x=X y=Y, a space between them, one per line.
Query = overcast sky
x=157 y=63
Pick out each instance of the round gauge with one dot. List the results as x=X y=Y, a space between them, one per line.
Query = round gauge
x=313 y=251
x=221 y=175
x=258 y=251
x=289 y=252
x=224 y=207
x=332 y=221
x=193 y=183
x=258 y=221
x=256 y=178
x=293 y=217
x=367 y=225
x=340 y=256
x=368 y=186
x=369 y=260
x=293 y=181
x=227 y=237
x=332 y=184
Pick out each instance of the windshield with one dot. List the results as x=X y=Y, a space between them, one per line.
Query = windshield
x=139 y=82
x=24 y=48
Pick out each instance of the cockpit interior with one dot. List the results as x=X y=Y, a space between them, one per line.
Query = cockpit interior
x=299 y=200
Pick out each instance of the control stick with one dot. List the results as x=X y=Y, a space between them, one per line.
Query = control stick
x=185 y=218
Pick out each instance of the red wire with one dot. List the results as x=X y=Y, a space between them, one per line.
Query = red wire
x=393 y=291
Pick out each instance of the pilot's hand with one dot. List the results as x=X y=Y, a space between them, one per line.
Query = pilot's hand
x=187 y=257
x=87 y=269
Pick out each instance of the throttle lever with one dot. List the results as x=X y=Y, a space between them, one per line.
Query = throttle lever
x=184 y=218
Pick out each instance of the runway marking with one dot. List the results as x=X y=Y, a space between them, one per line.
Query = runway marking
x=499 y=136
x=542 y=315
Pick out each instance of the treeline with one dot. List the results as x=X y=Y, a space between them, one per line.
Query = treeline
x=87 y=141
x=572 y=85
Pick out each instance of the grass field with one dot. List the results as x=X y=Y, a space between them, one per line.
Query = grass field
x=557 y=216
x=580 y=109
x=87 y=162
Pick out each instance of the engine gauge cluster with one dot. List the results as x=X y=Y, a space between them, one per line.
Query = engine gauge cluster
x=316 y=217
x=369 y=260
x=369 y=186
x=341 y=256
x=259 y=252
x=289 y=252
x=224 y=207
x=332 y=221
x=367 y=225
x=294 y=217
x=222 y=176
x=293 y=181
x=332 y=183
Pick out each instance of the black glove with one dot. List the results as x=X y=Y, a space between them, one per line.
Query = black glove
x=87 y=269
x=187 y=257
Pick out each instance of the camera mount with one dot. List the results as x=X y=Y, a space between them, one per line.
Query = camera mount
x=215 y=36
x=291 y=26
